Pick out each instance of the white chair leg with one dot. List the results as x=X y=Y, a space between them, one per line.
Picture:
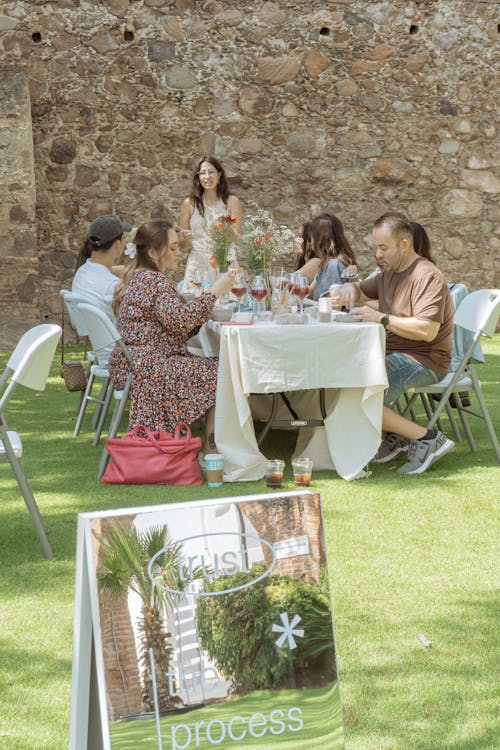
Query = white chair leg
x=83 y=405
x=100 y=400
x=104 y=408
x=30 y=501
x=454 y=426
x=486 y=415
x=115 y=424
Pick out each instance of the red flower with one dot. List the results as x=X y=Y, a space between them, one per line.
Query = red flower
x=267 y=237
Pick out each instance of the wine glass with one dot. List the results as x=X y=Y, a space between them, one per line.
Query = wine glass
x=239 y=287
x=259 y=292
x=197 y=279
x=300 y=288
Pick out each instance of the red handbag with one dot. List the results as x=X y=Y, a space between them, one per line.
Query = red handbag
x=145 y=457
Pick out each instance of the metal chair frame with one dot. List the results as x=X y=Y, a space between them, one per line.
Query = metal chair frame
x=478 y=313
x=103 y=333
x=95 y=370
x=29 y=366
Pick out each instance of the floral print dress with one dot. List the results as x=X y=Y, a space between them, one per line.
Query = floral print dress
x=170 y=386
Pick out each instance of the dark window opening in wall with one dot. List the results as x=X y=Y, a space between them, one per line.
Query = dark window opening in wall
x=413 y=28
x=129 y=36
x=324 y=31
x=37 y=37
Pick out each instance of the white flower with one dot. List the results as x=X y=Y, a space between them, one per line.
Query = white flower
x=130 y=250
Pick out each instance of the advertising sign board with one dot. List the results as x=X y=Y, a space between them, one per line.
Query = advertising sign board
x=205 y=625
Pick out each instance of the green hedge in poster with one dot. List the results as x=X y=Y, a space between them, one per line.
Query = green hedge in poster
x=235 y=629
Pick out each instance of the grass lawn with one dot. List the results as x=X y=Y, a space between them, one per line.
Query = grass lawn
x=314 y=722
x=407 y=556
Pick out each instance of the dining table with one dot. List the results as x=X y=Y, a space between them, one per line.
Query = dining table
x=345 y=359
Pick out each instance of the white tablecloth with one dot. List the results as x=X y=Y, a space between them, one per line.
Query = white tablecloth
x=267 y=358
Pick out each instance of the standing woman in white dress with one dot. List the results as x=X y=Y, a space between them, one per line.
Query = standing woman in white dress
x=209 y=200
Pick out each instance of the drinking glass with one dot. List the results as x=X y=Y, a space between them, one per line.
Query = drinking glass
x=259 y=292
x=300 y=288
x=239 y=287
x=350 y=274
x=197 y=279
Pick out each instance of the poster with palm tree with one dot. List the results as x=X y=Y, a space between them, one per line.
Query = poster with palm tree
x=211 y=625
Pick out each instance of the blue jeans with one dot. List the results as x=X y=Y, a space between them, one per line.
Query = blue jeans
x=403 y=373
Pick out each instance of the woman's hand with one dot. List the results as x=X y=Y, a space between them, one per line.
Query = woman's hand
x=185 y=237
x=223 y=284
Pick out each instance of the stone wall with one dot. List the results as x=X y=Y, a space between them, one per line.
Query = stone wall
x=18 y=244
x=355 y=106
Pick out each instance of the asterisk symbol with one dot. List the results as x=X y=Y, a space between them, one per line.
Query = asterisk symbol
x=288 y=630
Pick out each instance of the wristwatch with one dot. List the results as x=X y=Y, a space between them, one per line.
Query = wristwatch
x=384 y=321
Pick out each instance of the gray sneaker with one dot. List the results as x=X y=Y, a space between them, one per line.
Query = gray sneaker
x=424 y=453
x=391 y=447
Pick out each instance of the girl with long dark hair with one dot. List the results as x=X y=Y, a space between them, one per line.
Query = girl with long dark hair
x=208 y=201
x=335 y=254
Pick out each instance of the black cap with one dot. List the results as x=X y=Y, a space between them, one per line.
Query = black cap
x=105 y=229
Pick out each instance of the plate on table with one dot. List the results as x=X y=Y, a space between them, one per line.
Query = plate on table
x=220 y=313
x=345 y=317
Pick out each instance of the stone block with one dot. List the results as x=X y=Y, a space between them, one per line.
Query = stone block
x=366 y=66
x=483 y=180
x=347 y=87
x=173 y=28
x=276 y=70
x=180 y=77
x=307 y=143
x=254 y=103
x=315 y=63
x=103 y=42
x=272 y=13
x=390 y=172
x=415 y=63
x=62 y=151
x=159 y=50
x=462 y=203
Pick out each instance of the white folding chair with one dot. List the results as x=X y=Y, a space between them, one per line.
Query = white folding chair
x=478 y=313
x=28 y=365
x=97 y=369
x=103 y=333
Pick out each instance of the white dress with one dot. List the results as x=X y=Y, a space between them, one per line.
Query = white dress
x=201 y=249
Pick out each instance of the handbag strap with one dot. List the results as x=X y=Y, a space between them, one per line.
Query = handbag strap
x=84 y=358
x=154 y=439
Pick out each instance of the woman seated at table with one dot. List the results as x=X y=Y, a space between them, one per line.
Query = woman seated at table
x=335 y=254
x=97 y=274
x=209 y=200
x=170 y=386
x=308 y=262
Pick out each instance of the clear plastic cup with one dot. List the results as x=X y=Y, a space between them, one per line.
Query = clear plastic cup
x=302 y=471
x=325 y=309
x=274 y=472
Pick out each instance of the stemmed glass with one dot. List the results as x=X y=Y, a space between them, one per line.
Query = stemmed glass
x=300 y=288
x=239 y=287
x=259 y=292
x=197 y=279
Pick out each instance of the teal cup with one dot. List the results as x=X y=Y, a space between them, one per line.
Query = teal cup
x=214 y=469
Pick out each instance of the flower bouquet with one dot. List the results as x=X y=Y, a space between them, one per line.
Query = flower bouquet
x=262 y=241
x=222 y=238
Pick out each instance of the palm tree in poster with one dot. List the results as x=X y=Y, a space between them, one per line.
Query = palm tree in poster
x=125 y=554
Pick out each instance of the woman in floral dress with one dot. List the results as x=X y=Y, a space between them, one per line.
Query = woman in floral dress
x=209 y=200
x=170 y=386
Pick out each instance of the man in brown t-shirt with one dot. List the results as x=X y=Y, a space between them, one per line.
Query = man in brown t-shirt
x=415 y=308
